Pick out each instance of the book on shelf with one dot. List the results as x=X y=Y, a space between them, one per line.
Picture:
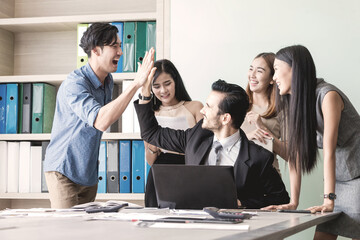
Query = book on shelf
x=112 y=167
x=120 y=27
x=125 y=166
x=21 y=167
x=3 y=108
x=13 y=167
x=82 y=57
x=12 y=99
x=129 y=47
x=25 y=108
x=24 y=166
x=102 y=168
x=43 y=107
x=3 y=166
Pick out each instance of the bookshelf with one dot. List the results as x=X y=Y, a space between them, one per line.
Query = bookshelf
x=39 y=44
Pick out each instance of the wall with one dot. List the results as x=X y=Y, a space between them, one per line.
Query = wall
x=212 y=39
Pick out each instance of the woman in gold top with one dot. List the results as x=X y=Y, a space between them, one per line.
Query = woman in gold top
x=262 y=123
x=174 y=109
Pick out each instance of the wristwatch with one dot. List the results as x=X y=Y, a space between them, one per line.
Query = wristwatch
x=141 y=97
x=331 y=196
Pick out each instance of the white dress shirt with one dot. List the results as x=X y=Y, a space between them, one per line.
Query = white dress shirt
x=230 y=150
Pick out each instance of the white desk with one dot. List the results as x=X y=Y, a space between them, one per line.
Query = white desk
x=267 y=225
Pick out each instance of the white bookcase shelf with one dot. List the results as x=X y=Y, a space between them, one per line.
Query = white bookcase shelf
x=100 y=196
x=46 y=136
x=67 y=23
x=56 y=79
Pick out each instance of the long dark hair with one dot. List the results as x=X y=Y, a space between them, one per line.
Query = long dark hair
x=299 y=107
x=166 y=66
x=269 y=58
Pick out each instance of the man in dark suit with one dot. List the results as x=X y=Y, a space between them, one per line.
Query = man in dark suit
x=218 y=140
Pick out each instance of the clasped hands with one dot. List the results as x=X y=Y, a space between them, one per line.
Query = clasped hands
x=261 y=133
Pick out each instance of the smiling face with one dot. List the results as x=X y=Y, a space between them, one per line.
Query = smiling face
x=109 y=55
x=259 y=76
x=164 y=89
x=282 y=76
x=210 y=111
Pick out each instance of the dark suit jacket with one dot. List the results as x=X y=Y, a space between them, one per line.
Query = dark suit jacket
x=258 y=183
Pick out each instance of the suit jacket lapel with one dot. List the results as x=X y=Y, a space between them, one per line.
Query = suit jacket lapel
x=202 y=152
x=241 y=168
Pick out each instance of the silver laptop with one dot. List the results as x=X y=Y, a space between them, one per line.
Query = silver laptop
x=194 y=187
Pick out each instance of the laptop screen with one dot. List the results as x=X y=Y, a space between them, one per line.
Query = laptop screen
x=194 y=187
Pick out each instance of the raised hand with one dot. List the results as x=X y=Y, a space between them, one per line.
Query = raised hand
x=145 y=68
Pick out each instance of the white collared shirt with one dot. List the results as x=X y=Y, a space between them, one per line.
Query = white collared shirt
x=230 y=149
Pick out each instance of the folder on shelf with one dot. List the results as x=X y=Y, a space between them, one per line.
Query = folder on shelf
x=3 y=166
x=140 y=43
x=82 y=57
x=120 y=27
x=25 y=108
x=128 y=114
x=13 y=167
x=125 y=166
x=102 y=168
x=112 y=167
x=129 y=47
x=150 y=35
x=116 y=126
x=12 y=99
x=2 y=108
x=138 y=158
x=20 y=107
x=49 y=107
x=35 y=169
x=43 y=107
x=44 y=146
x=24 y=167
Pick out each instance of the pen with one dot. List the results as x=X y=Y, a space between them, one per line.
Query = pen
x=293 y=211
x=182 y=220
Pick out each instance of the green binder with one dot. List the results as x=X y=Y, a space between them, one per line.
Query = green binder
x=49 y=107
x=129 y=47
x=140 y=42
x=82 y=57
x=43 y=107
x=150 y=35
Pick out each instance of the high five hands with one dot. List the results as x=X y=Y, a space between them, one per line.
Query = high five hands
x=145 y=69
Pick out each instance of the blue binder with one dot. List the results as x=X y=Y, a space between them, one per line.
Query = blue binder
x=2 y=108
x=12 y=96
x=120 y=27
x=138 y=165
x=125 y=166
x=102 y=168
